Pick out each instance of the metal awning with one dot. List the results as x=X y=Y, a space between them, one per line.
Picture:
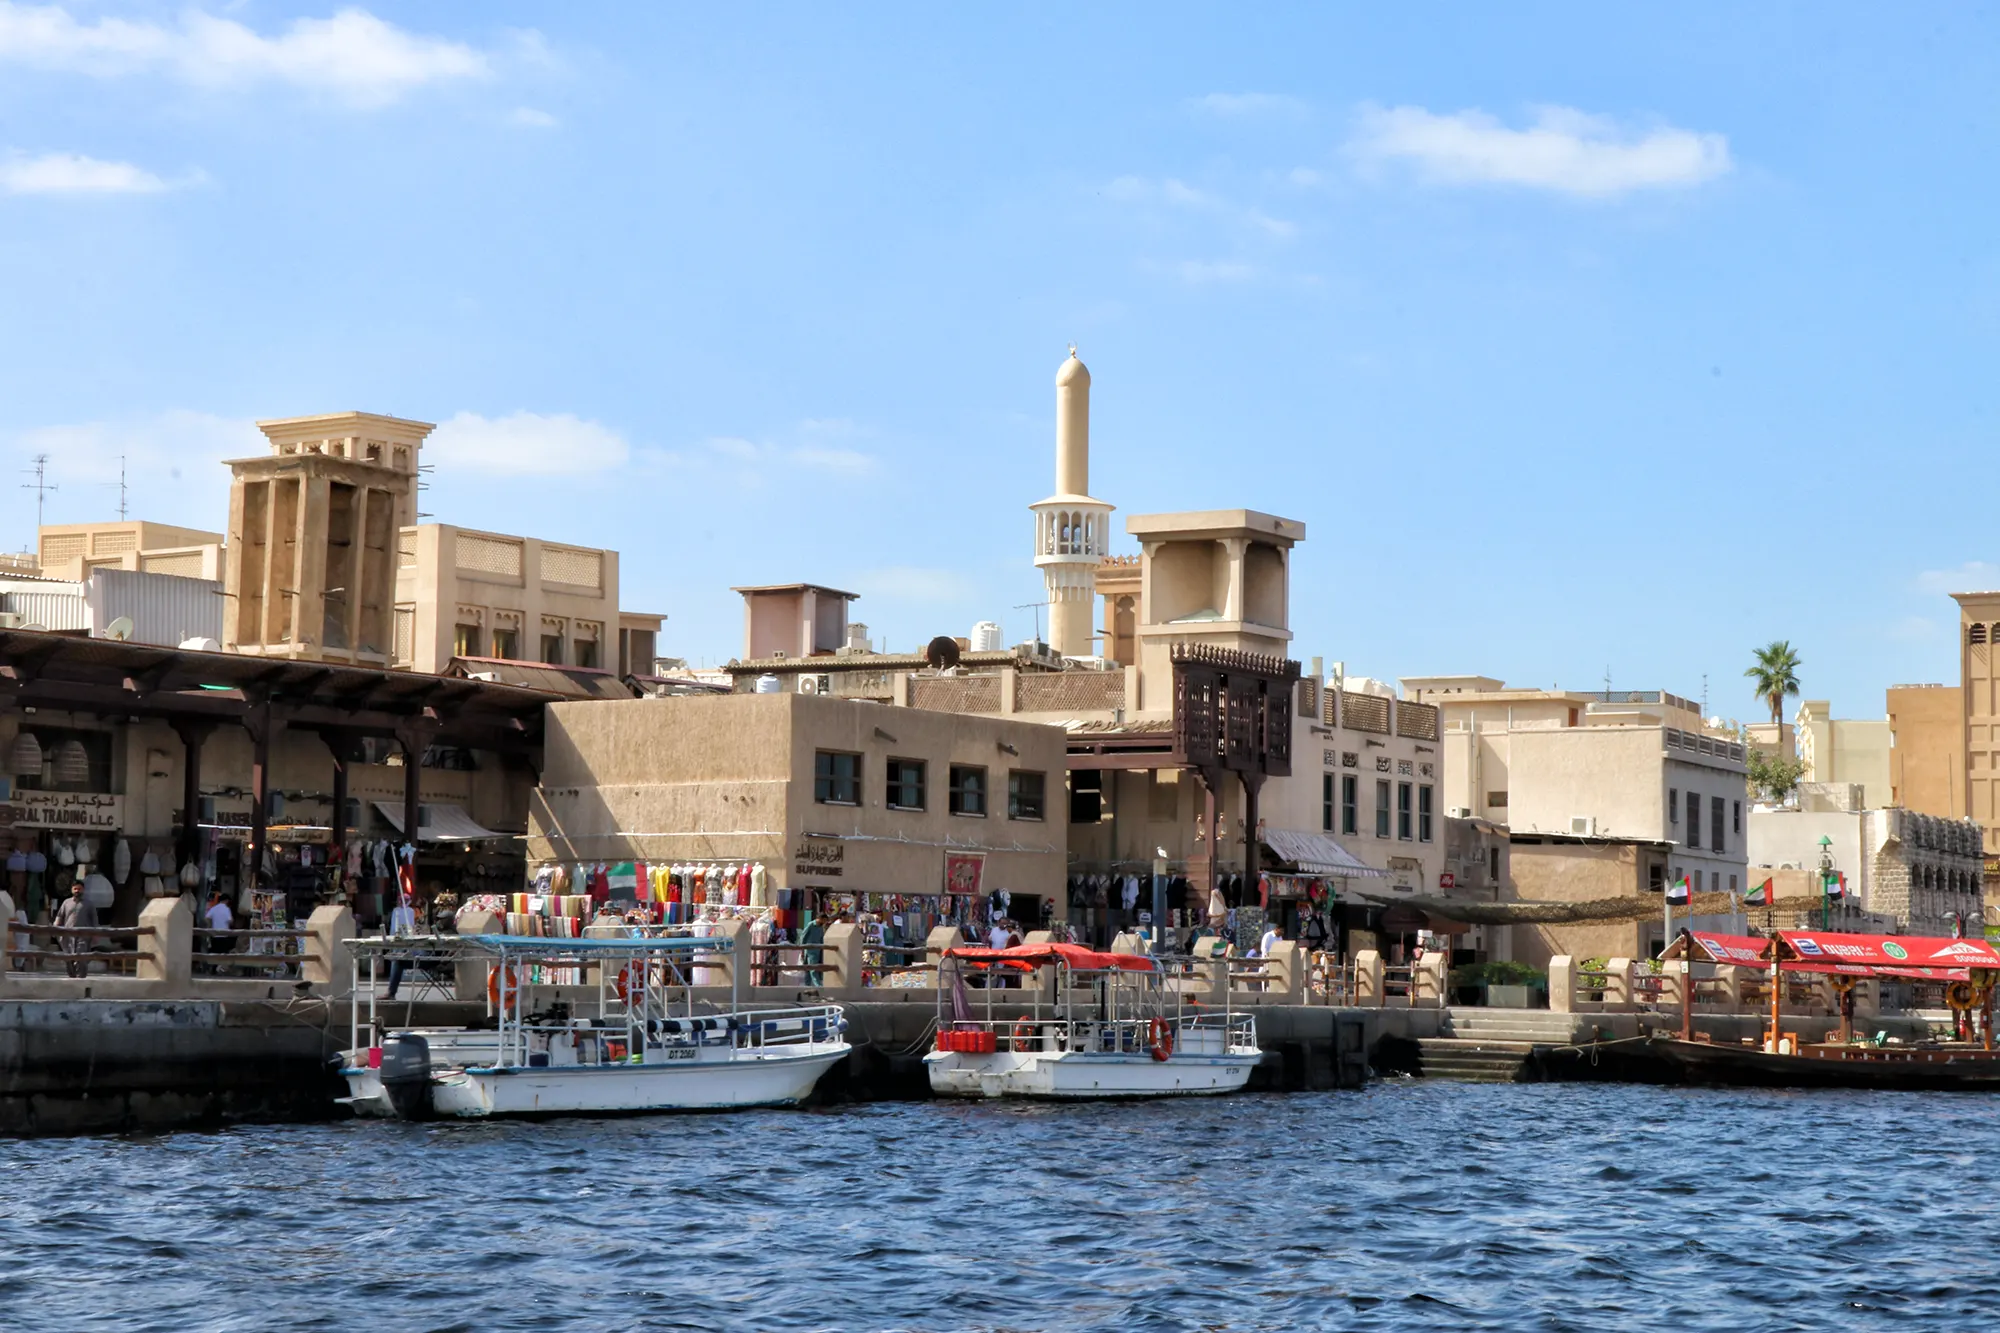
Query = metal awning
x=439 y=821
x=1319 y=854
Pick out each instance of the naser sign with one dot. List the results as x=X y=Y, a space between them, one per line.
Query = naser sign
x=68 y=809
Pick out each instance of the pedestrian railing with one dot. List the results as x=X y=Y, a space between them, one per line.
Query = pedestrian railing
x=78 y=950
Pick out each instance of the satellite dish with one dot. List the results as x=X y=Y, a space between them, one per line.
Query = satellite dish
x=942 y=652
x=201 y=644
x=119 y=629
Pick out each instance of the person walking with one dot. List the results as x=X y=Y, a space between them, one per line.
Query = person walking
x=402 y=921
x=76 y=913
x=218 y=917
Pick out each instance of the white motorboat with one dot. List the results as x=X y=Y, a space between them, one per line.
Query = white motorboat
x=582 y=1027
x=1131 y=1037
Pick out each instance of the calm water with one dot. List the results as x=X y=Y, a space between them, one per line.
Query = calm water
x=1411 y=1205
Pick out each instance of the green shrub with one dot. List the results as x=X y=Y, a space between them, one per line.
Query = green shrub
x=1499 y=974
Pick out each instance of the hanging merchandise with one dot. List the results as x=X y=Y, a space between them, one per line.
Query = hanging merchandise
x=97 y=891
x=72 y=763
x=121 y=862
x=25 y=759
x=65 y=856
x=190 y=875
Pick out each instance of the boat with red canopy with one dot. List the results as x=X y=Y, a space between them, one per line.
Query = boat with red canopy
x=1063 y=1021
x=1967 y=970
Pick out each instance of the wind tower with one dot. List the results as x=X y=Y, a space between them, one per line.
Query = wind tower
x=1072 y=531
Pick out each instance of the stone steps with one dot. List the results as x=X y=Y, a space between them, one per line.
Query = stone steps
x=1534 y=1026
x=1480 y=1060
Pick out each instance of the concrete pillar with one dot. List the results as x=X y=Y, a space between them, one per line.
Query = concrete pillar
x=735 y=962
x=1368 y=978
x=1287 y=964
x=329 y=962
x=1562 y=984
x=1009 y=681
x=940 y=939
x=169 y=949
x=842 y=959
x=1731 y=978
x=6 y=933
x=1618 y=984
x=472 y=975
x=1430 y=977
x=1867 y=998
x=1674 y=979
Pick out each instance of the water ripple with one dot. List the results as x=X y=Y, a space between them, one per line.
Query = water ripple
x=1411 y=1205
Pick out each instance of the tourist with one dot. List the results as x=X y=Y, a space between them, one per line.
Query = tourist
x=1272 y=935
x=76 y=913
x=814 y=935
x=219 y=918
x=402 y=921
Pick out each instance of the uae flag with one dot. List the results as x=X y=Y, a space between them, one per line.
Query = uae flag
x=1678 y=892
x=1836 y=886
x=1759 y=896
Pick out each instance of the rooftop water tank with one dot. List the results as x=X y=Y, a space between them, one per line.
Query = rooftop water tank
x=986 y=637
x=769 y=685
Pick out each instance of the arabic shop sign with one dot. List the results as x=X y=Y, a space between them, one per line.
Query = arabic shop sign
x=815 y=857
x=96 y=811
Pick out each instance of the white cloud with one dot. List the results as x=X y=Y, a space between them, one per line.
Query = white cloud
x=72 y=173
x=1200 y=271
x=353 y=55
x=1563 y=150
x=1244 y=105
x=532 y=118
x=1972 y=576
x=1178 y=195
x=525 y=444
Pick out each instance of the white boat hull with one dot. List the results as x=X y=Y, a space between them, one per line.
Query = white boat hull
x=1077 y=1075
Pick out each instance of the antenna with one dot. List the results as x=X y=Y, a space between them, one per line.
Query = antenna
x=1607 y=682
x=41 y=486
x=120 y=484
x=1704 y=695
x=1037 y=606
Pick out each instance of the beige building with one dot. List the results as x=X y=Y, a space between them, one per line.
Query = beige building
x=310 y=570
x=71 y=550
x=833 y=795
x=1919 y=872
x=1637 y=766
x=1846 y=751
x=1979 y=630
x=785 y=621
x=469 y=594
x=1927 y=749
x=1560 y=867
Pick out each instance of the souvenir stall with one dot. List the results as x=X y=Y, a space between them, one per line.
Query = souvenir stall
x=1105 y=902
x=452 y=860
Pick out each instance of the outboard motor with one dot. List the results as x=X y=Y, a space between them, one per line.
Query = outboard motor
x=406 y=1074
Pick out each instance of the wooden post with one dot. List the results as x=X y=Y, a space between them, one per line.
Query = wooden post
x=341 y=745
x=1687 y=994
x=192 y=731
x=259 y=722
x=1777 y=993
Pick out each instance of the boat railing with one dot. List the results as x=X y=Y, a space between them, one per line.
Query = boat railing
x=1124 y=1034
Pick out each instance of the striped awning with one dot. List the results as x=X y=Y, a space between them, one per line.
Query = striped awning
x=1319 y=854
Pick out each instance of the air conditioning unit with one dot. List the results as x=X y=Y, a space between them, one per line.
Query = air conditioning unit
x=10 y=620
x=815 y=684
x=1460 y=812
x=1583 y=826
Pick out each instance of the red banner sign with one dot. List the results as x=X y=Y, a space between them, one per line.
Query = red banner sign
x=963 y=871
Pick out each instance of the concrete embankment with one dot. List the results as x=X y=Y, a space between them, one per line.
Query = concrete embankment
x=94 y=1066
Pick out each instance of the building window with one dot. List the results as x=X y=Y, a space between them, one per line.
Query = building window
x=1656 y=878
x=506 y=645
x=552 y=652
x=1496 y=800
x=465 y=641
x=1673 y=805
x=1715 y=824
x=1424 y=813
x=1694 y=820
x=1732 y=883
x=836 y=778
x=1493 y=864
x=586 y=653
x=906 y=784
x=1736 y=816
x=1350 y=804
x=1086 y=797
x=1381 y=809
x=1025 y=795
x=1403 y=811
x=1326 y=802
x=968 y=790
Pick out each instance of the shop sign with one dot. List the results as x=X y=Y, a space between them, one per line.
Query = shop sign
x=68 y=809
x=1993 y=865
x=963 y=871
x=1447 y=880
x=819 y=858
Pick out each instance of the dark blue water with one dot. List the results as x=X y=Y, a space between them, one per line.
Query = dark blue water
x=1412 y=1205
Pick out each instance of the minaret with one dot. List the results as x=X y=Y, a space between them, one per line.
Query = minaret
x=1072 y=531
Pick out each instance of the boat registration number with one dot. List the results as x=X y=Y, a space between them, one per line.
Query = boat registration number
x=681 y=1053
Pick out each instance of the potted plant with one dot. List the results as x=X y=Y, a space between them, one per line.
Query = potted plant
x=1502 y=985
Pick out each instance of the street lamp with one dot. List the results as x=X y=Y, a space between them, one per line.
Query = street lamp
x=1825 y=881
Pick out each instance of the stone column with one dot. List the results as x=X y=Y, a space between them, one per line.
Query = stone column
x=329 y=962
x=1562 y=984
x=169 y=948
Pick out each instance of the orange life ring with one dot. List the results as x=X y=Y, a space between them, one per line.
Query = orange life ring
x=493 y=988
x=629 y=979
x=1962 y=996
x=1023 y=1033
x=1162 y=1038
x=1841 y=982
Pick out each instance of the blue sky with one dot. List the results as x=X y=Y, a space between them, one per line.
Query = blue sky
x=1579 y=339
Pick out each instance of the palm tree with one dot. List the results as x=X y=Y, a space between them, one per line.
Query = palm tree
x=1776 y=672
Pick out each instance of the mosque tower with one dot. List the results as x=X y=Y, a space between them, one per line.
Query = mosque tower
x=1072 y=531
